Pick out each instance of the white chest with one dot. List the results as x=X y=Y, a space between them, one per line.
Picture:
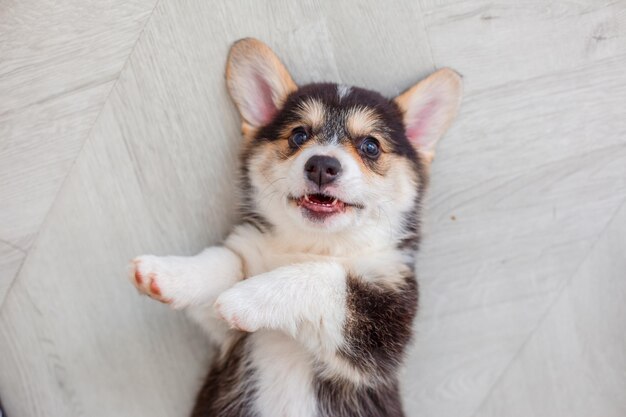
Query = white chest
x=284 y=376
x=264 y=253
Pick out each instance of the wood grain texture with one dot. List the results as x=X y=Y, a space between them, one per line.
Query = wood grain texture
x=58 y=62
x=521 y=267
x=515 y=206
x=494 y=42
x=574 y=363
x=10 y=261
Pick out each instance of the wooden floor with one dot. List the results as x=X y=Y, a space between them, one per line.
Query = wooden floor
x=117 y=138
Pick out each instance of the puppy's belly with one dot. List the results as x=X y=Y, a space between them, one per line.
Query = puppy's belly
x=284 y=376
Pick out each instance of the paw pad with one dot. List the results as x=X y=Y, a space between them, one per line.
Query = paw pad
x=154 y=288
x=146 y=283
x=138 y=278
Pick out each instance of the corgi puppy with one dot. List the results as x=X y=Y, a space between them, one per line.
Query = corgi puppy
x=312 y=297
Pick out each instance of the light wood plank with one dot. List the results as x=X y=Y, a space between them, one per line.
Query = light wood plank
x=376 y=46
x=73 y=330
x=10 y=261
x=39 y=145
x=523 y=185
x=492 y=43
x=575 y=362
x=58 y=62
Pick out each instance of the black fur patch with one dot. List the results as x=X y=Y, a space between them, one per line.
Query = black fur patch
x=341 y=399
x=377 y=332
x=411 y=224
x=229 y=389
x=248 y=210
x=379 y=325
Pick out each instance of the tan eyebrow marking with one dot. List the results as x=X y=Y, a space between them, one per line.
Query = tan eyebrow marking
x=312 y=112
x=362 y=121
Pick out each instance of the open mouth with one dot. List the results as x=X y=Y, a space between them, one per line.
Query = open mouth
x=319 y=206
x=321 y=203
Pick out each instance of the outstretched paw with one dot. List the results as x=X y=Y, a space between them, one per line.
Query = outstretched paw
x=150 y=278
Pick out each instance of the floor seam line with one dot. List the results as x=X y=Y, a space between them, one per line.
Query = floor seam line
x=78 y=154
x=426 y=35
x=579 y=67
x=549 y=308
x=13 y=246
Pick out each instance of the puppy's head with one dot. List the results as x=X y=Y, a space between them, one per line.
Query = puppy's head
x=331 y=158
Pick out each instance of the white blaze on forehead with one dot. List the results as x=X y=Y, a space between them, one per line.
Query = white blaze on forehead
x=343 y=90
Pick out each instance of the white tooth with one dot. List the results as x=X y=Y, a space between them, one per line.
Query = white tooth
x=306 y=197
x=334 y=201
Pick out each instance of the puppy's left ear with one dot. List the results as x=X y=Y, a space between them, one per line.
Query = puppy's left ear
x=257 y=81
x=429 y=108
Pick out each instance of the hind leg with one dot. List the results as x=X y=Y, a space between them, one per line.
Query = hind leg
x=191 y=283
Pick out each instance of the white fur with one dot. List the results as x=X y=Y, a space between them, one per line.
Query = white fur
x=285 y=387
x=308 y=294
x=296 y=313
x=191 y=282
x=383 y=199
x=343 y=91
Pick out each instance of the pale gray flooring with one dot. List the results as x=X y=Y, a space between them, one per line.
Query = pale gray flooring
x=117 y=138
x=58 y=63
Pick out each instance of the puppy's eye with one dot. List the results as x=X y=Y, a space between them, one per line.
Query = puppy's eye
x=298 y=137
x=370 y=147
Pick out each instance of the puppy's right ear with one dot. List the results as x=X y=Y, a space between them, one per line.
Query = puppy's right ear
x=257 y=81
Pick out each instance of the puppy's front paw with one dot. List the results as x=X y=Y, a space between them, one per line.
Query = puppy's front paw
x=237 y=308
x=152 y=278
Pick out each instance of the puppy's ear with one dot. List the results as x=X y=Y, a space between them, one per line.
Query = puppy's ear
x=257 y=81
x=429 y=108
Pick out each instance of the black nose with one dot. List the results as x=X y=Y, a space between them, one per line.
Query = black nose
x=322 y=169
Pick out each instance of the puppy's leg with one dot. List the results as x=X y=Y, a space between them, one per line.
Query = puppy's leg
x=354 y=328
x=189 y=282
x=287 y=296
